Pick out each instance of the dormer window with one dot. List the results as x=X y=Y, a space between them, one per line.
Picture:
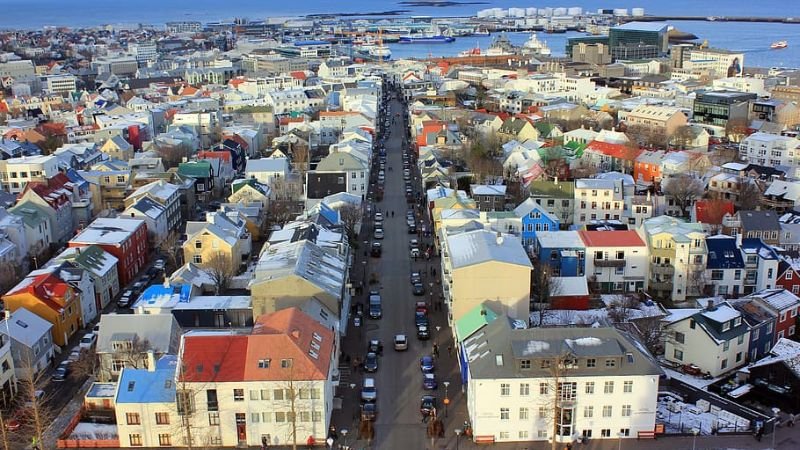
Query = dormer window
x=737 y=321
x=263 y=363
x=726 y=326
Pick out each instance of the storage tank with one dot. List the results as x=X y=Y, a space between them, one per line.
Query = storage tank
x=501 y=13
x=620 y=12
x=575 y=11
x=637 y=12
x=484 y=13
x=559 y=11
x=516 y=12
x=530 y=11
x=547 y=12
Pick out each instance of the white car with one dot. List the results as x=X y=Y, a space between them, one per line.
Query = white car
x=378 y=217
x=159 y=264
x=400 y=342
x=87 y=341
x=378 y=233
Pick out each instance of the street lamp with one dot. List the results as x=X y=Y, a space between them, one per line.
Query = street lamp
x=776 y=412
x=458 y=436
x=446 y=399
x=695 y=431
x=619 y=444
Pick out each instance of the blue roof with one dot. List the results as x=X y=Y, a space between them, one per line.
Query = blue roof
x=157 y=293
x=329 y=214
x=756 y=245
x=301 y=43
x=723 y=253
x=145 y=386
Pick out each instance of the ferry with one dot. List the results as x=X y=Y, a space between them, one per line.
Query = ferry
x=535 y=46
x=779 y=45
x=424 y=39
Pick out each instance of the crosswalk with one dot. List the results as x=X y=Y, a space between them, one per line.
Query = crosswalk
x=345 y=374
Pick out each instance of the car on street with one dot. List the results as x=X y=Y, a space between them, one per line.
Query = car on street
x=160 y=264
x=427 y=405
x=406 y=177
x=421 y=307
x=87 y=341
x=74 y=355
x=62 y=371
x=423 y=333
x=400 y=342
x=412 y=229
x=426 y=364
x=369 y=393
x=376 y=250
x=416 y=277
x=378 y=234
x=369 y=412
x=126 y=299
x=371 y=362
x=429 y=382
x=375 y=346
x=418 y=289
x=357 y=321
x=378 y=217
x=152 y=273
x=413 y=243
x=420 y=318
x=139 y=286
x=414 y=253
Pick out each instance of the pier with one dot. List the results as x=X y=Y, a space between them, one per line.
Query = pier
x=794 y=20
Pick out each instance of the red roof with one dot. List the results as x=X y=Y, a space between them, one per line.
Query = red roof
x=235 y=82
x=618 y=151
x=614 y=238
x=288 y=120
x=46 y=287
x=52 y=190
x=298 y=75
x=712 y=211
x=214 y=154
x=214 y=358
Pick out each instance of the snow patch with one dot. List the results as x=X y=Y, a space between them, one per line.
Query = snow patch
x=536 y=347
x=586 y=341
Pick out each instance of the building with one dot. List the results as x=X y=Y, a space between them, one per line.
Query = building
x=165 y=194
x=16 y=173
x=267 y=170
x=678 y=255
x=489 y=197
x=761 y=265
x=350 y=165
x=715 y=338
x=717 y=108
x=534 y=218
x=222 y=239
x=557 y=197
x=659 y=120
x=725 y=267
x=125 y=239
x=784 y=305
x=51 y=298
x=563 y=251
x=598 y=199
x=283 y=370
x=155 y=217
x=480 y=265
x=55 y=195
x=61 y=84
x=772 y=150
x=619 y=260
x=720 y=63
x=102 y=268
x=31 y=342
x=8 y=377
x=776 y=378
x=638 y=40
x=524 y=384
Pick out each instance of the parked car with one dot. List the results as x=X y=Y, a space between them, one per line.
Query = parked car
x=357 y=321
x=413 y=243
x=416 y=277
x=414 y=253
x=400 y=342
x=160 y=264
x=423 y=333
x=74 y=355
x=369 y=411
x=126 y=299
x=152 y=273
x=418 y=289
x=412 y=229
x=378 y=217
x=371 y=362
x=429 y=382
x=376 y=250
x=378 y=234
x=426 y=364
x=87 y=341
x=420 y=318
x=421 y=307
x=138 y=287
x=427 y=405
x=375 y=346
x=62 y=371
x=369 y=393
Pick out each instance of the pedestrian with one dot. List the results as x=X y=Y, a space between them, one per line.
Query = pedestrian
x=311 y=442
x=434 y=271
x=790 y=422
x=435 y=350
x=450 y=350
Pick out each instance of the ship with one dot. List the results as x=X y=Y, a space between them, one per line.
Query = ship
x=426 y=39
x=779 y=45
x=535 y=46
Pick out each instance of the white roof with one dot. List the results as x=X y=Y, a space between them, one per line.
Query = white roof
x=676 y=315
x=559 y=239
x=779 y=299
x=480 y=246
x=789 y=190
x=267 y=165
x=570 y=286
x=722 y=313
x=216 y=302
x=108 y=231
x=488 y=189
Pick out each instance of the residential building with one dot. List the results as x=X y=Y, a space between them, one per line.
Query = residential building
x=31 y=342
x=154 y=215
x=51 y=298
x=647 y=167
x=611 y=157
x=557 y=197
x=55 y=196
x=165 y=194
x=16 y=173
x=8 y=377
x=717 y=108
x=762 y=225
x=563 y=251
x=534 y=218
x=471 y=258
x=36 y=223
x=128 y=340
x=285 y=367
x=659 y=120
x=714 y=338
x=250 y=191
x=61 y=84
x=223 y=236
x=776 y=378
x=118 y=148
x=125 y=239
x=618 y=261
x=204 y=176
x=761 y=265
x=489 y=197
x=267 y=170
x=595 y=383
x=598 y=199
x=678 y=255
x=761 y=322
x=351 y=166
x=784 y=305
x=773 y=150
x=102 y=268
x=725 y=268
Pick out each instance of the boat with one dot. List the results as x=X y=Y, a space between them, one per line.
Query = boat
x=554 y=28
x=426 y=39
x=471 y=52
x=779 y=45
x=535 y=46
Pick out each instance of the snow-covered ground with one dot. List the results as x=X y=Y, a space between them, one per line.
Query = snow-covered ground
x=90 y=431
x=692 y=380
x=680 y=417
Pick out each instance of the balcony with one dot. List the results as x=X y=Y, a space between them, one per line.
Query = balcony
x=661 y=285
x=609 y=262
x=662 y=269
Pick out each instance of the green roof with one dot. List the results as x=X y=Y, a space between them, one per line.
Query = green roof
x=237 y=185
x=92 y=257
x=576 y=147
x=501 y=215
x=547 y=188
x=544 y=128
x=195 y=169
x=31 y=213
x=475 y=319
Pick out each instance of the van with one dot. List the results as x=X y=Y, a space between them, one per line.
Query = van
x=375 y=309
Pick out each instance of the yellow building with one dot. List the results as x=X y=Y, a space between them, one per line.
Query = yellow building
x=456 y=200
x=50 y=298
x=210 y=242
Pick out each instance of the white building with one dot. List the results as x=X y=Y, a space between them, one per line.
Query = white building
x=598 y=199
x=607 y=387
x=31 y=342
x=616 y=260
x=15 y=173
x=62 y=84
x=772 y=150
x=267 y=170
x=752 y=85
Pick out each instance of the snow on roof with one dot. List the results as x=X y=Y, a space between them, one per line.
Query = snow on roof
x=722 y=313
x=779 y=299
x=216 y=302
x=25 y=327
x=479 y=246
x=784 y=350
x=559 y=239
x=676 y=315
x=108 y=231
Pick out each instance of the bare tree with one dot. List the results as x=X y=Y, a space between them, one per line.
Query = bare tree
x=9 y=275
x=301 y=155
x=621 y=308
x=556 y=392
x=683 y=189
x=650 y=332
x=544 y=286
x=169 y=249
x=584 y=169
x=36 y=399
x=172 y=154
x=279 y=212
x=683 y=137
x=736 y=129
x=748 y=195
x=698 y=283
x=350 y=214
x=4 y=437
x=220 y=269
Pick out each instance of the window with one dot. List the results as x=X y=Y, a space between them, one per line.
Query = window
x=680 y=337
x=525 y=364
x=524 y=389
x=590 y=387
x=238 y=395
x=316 y=416
x=164 y=440
x=211 y=399
x=587 y=433
x=505 y=389
x=135 y=439
x=605 y=432
x=677 y=354
x=543 y=389
x=286 y=363
x=543 y=412
x=726 y=345
x=611 y=363
x=723 y=364
x=162 y=418
x=213 y=418
x=625 y=431
x=117 y=365
x=504 y=435
x=254 y=395
x=280 y=417
x=591 y=362
x=738 y=357
x=277 y=394
x=608 y=388
x=567 y=391
x=588 y=411
x=133 y=419
x=607 y=411
x=541 y=434
x=255 y=417
x=266 y=417
x=504 y=414
x=523 y=434
x=627 y=387
x=626 y=410
x=523 y=414
x=740 y=339
x=198 y=259
x=545 y=364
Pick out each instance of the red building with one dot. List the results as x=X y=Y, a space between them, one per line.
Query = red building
x=124 y=238
x=783 y=304
x=789 y=277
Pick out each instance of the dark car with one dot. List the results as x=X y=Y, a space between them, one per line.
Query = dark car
x=412 y=229
x=371 y=362
x=62 y=371
x=416 y=277
x=376 y=250
x=426 y=364
x=429 y=382
x=422 y=307
x=427 y=405
x=423 y=333
x=420 y=318
x=375 y=346
x=152 y=273
x=418 y=289
x=369 y=411
x=126 y=299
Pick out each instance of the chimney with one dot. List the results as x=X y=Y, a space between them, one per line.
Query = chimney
x=151 y=361
x=648 y=196
x=499 y=238
x=556 y=180
x=710 y=305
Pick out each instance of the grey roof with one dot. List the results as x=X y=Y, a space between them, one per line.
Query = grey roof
x=760 y=220
x=25 y=327
x=160 y=330
x=480 y=246
x=495 y=351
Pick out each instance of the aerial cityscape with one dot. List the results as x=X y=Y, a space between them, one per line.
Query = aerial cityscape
x=410 y=225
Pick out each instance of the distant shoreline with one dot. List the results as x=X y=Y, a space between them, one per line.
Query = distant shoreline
x=394 y=12
x=439 y=4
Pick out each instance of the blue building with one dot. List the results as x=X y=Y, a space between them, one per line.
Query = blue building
x=762 y=327
x=725 y=265
x=534 y=219
x=563 y=251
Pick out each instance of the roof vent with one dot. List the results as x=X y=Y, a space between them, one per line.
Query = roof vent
x=296 y=333
x=499 y=238
x=498 y=359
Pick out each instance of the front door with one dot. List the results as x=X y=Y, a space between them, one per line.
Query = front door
x=241 y=428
